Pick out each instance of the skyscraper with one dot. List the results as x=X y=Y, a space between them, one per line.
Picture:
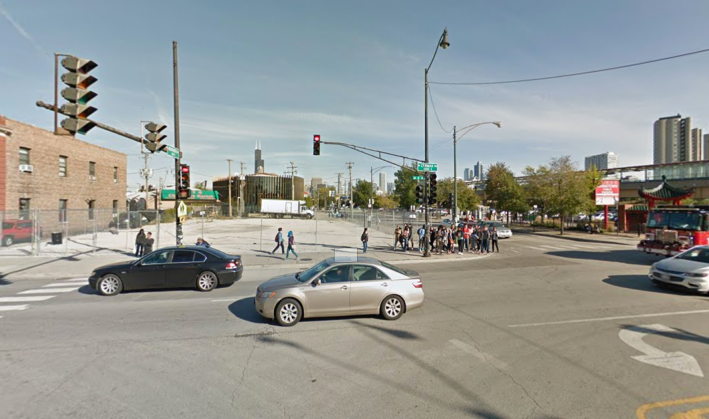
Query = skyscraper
x=258 y=161
x=607 y=160
x=697 y=144
x=674 y=140
x=478 y=171
x=467 y=174
x=383 y=182
x=706 y=147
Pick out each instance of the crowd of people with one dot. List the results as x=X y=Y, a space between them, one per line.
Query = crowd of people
x=468 y=238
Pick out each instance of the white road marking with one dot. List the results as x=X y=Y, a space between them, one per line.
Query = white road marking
x=74 y=279
x=551 y=247
x=61 y=285
x=234 y=298
x=677 y=361
x=602 y=319
x=45 y=291
x=25 y=299
x=14 y=308
x=485 y=357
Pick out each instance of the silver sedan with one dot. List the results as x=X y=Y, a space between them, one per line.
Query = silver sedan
x=688 y=270
x=340 y=288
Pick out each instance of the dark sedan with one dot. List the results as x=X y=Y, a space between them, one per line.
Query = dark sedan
x=169 y=267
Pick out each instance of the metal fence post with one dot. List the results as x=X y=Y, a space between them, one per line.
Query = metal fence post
x=260 y=241
x=316 y=233
x=93 y=235
x=159 y=227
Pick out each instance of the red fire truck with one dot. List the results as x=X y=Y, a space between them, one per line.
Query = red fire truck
x=672 y=230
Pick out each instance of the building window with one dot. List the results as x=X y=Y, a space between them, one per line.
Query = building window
x=24 y=208
x=24 y=155
x=62 y=166
x=91 y=209
x=115 y=206
x=62 y=210
x=92 y=170
x=115 y=174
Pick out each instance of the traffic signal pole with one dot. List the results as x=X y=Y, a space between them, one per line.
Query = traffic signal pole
x=178 y=171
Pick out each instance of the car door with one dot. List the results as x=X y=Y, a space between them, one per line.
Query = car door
x=332 y=296
x=183 y=268
x=368 y=288
x=149 y=272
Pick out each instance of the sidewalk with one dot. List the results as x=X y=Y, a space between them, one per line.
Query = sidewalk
x=77 y=266
x=619 y=238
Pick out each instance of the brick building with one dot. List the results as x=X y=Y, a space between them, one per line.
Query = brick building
x=43 y=172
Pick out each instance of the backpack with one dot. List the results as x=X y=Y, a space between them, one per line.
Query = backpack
x=276 y=239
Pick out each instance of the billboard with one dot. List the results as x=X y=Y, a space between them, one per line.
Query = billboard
x=608 y=192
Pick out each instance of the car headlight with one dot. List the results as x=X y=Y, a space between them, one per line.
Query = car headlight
x=267 y=294
x=696 y=274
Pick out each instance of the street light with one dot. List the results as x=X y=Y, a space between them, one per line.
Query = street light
x=442 y=43
x=469 y=128
x=372 y=171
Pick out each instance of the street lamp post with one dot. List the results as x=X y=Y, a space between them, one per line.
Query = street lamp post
x=372 y=171
x=454 y=210
x=443 y=43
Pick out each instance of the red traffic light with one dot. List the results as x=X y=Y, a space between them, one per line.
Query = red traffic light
x=185 y=169
x=316 y=138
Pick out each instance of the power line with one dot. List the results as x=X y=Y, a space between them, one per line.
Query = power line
x=430 y=94
x=581 y=73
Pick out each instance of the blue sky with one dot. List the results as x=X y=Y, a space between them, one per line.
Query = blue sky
x=279 y=72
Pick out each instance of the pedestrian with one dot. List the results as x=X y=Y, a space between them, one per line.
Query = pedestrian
x=202 y=242
x=365 y=240
x=485 y=241
x=279 y=241
x=461 y=240
x=432 y=238
x=405 y=238
x=397 y=233
x=139 y=242
x=291 y=246
x=422 y=237
x=411 y=236
x=148 y=243
x=495 y=237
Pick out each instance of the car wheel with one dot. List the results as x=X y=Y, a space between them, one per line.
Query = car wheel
x=110 y=285
x=207 y=281
x=309 y=216
x=7 y=241
x=392 y=307
x=288 y=312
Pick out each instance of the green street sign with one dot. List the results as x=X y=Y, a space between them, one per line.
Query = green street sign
x=427 y=167
x=172 y=151
x=417 y=177
x=196 y=195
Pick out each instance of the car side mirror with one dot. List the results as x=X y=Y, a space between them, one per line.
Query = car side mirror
x=316 y=281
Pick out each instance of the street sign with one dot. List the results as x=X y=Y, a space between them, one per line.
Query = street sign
x=417 y=177
x=172 y=151
x=427 y=167
x=182 y=209
x=608 y=192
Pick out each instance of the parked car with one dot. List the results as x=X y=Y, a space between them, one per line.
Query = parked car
x=503 y=231
x=340 y=288
x=16 y=231
x=170 y=267
x=688 y=270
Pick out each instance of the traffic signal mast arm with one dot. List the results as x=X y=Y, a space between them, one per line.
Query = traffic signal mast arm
x=97 y=124
x=379 y=156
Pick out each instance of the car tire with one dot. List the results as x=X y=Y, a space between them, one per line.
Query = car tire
x=309 y=217
x=207 y=281
x=109 y=285
x=288 y=312
x=392 y=307
x=7 y=241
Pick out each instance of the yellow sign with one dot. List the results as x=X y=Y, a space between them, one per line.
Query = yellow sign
x=182 y=209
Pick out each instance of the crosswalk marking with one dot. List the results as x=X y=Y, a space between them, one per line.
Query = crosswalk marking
x=52 y=290
x=25 y=299
x=14 y=308
x=74 y=279
x=61 y=285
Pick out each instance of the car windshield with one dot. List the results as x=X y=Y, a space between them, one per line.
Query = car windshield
x=696 y=255
x=675 y=220
x=307 y=275
x=393 y=268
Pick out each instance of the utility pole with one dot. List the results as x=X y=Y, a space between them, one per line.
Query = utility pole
x=229 y=161
x=339 y=182
x=146 y=175
x=176 y=96
x=292 y=178
x=454 y=204
x=242 y=179
x=349 y=166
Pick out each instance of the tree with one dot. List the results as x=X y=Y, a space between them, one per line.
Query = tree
x=386 y=202
x=362 y=192
x=309 y=201
x=322 y=197
x=593 y=179
x=567 y=188
x=467 y=198
x=503 y=189
x=405 y=187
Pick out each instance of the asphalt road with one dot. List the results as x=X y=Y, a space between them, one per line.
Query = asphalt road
x=548 y=328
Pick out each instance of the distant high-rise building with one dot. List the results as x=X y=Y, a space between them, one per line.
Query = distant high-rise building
x=478 y=171
x=697 y=144
x=603 y=161
x=467 y=174
x=383 y=181
x=258 y=161
x=674 y=140
x=706 y=147
x=314 y=182
x=390 y=187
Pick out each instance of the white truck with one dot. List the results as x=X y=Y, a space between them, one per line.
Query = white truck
x=282 y=207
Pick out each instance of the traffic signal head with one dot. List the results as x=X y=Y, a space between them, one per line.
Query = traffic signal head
x=78 y=95
x=419 y=194
x=184 y=186
x=433 y=188
x=154 y=137
x=316 y=145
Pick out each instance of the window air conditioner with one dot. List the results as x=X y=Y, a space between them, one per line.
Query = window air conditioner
x=26 y=168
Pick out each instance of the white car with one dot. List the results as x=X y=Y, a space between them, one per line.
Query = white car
x=688 y=270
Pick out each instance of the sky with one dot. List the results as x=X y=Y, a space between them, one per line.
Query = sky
x=353 y=71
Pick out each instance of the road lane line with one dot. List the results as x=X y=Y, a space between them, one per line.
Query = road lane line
x=14 y=308
x=62 y=285
x=484 y=357
x=25 y=299
x=602 y=319
x=48 y=290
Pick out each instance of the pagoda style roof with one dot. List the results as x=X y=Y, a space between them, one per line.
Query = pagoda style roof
x=665 y=192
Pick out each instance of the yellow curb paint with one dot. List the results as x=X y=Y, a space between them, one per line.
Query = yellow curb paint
x=640 y=413
x=692 y=414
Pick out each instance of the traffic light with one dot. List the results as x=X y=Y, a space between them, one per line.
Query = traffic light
x=183 y=189
x=316 y=145
x=78 y=95
x=154 y=137
x=419 y=194
x=433 y=187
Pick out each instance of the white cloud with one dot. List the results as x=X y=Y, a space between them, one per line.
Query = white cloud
x=20 y=29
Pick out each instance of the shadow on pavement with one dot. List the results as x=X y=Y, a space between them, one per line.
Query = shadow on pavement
x=401 y=334
x=640 y=283
x=632 y=257
x=577 y=237
x=244 y=309
x=679 y=334
x=86 y=289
